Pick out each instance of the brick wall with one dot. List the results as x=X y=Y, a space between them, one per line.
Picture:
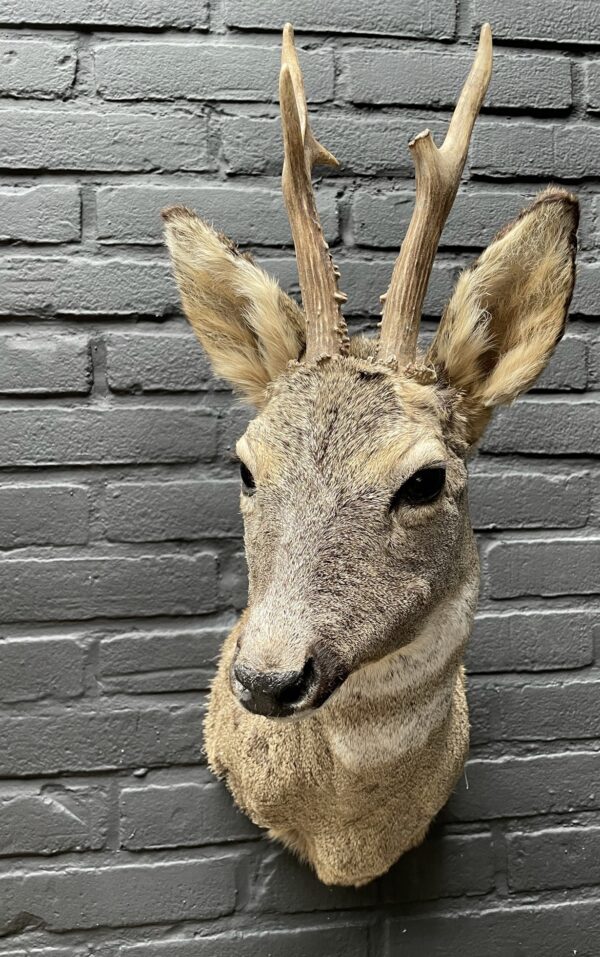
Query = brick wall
x=121 y=563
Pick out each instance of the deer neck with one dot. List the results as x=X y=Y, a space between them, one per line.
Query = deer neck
x=394 y=705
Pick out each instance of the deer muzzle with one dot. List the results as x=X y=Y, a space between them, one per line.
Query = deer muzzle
x=275 y=694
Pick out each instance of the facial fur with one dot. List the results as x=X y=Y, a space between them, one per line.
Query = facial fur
x=337 y=576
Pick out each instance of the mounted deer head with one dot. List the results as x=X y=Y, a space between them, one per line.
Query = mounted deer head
x=362 y=563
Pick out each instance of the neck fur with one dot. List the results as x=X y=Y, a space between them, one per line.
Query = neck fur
x=393 y=705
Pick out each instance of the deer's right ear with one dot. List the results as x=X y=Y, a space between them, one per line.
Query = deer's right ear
x=508 y=311
x=248 y=326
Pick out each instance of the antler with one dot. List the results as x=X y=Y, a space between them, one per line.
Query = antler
x=437 y=174
x=325 y=327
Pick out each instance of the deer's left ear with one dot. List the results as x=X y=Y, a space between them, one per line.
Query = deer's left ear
x=247 y=325
x=508 y=311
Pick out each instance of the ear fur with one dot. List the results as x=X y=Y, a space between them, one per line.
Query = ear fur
x=508 y=311
x=247 y=325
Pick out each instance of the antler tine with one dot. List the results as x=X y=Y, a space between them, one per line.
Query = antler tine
x=437 y=178
x=325 y=327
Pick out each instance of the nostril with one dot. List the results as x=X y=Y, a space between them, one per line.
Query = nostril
x=244 y=676
x=273 y=692
x=296 y=689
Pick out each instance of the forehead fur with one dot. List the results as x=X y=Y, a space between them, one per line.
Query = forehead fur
x=347 y=410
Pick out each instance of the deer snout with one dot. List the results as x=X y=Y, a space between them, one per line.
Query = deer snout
x=275 y=694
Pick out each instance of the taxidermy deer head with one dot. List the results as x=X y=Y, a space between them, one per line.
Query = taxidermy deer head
x=362 y=562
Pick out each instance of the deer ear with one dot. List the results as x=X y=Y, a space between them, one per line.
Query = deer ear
x=508 y=311
x=249 y=328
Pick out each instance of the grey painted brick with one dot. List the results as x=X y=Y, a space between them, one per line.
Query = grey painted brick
x=364 y=280
x=232 y=426
x=155 y=362
x=549 y=427
x=451 y=866
x=162 y=511
x=520 y=148
x=48 y=365
x=525 y=786
x=595 y=365
x=341 y=941
x=435 y=77
x=112 y=587
x=147 y=662
x=381 y=217
x=361 y=144
x=499 y=931
x=84 y=286
x=573 y=852
x=204 y=71
x=419 y=18
x=552 y=567
x=124 y=895
x=528 y=499
x=99 y=740
x=558 y=710
x=586 y=298
x=233 y=581
x=110 y=13
x=43 y=515
x=40 y=668
x=281 y=884
x=52 y=820
x=252 y=144
x=54 y=436
x=592 y=76
x=568 y=367
x=40 y=68
x=183 y=814
x=588 y=223
x=76 y=139
x=553 y=20
x=40 y=214
x=153 y=616
x=131 y=214
x=530 y=641
x=43 y=952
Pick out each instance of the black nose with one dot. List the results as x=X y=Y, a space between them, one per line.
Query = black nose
x=274 y=694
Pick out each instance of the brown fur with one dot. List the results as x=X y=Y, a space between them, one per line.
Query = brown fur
x=384 y=599
x=247 y=325
x=509 y=309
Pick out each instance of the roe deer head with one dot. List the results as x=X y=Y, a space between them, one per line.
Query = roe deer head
x=362 y=562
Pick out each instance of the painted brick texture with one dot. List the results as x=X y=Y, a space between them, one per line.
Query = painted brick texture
x=121 y=555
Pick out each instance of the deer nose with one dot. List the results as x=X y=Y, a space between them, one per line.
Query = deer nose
x=274 y=694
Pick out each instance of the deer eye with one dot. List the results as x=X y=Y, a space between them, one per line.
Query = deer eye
x=422 y=487
x=248 y=483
